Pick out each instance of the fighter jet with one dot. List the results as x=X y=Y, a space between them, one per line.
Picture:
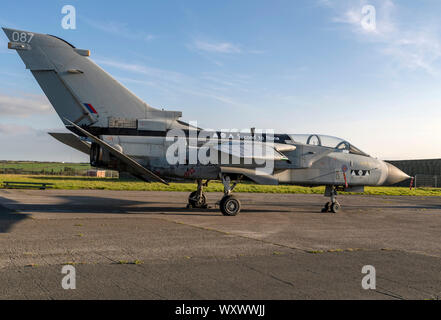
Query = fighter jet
x=121 y=132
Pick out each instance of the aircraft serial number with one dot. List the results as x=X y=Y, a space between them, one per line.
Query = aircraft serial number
x=22 y=37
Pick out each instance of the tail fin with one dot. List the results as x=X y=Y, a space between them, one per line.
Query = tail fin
x=77 y=88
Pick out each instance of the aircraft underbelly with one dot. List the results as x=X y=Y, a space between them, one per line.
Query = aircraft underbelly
x=309 y=176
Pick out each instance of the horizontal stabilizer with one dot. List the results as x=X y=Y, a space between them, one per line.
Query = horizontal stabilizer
x=137 y=169
x=72 y=141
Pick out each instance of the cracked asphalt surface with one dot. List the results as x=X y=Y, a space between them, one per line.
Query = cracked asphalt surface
x=146 y=245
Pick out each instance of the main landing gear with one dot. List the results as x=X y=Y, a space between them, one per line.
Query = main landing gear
x=229 y=205
x=333 y=205
x=197 y=198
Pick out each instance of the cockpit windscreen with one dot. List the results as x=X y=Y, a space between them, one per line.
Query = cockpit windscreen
x=328 y=142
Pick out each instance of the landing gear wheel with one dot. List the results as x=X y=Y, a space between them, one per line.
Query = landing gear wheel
x=194 y=202
x=335 y=207
x=327 y=207
x=229 y=206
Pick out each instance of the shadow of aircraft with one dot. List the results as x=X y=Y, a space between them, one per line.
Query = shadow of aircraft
x=103 y=205
x=8 y=218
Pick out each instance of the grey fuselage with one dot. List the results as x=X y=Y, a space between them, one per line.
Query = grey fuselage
x=331 y=167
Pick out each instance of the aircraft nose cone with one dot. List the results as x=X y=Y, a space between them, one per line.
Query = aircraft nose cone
x=394 y=175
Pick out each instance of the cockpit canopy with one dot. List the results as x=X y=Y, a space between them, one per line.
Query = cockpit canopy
x=328 y=142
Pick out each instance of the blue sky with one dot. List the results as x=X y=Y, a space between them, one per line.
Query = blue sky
x=292 y=66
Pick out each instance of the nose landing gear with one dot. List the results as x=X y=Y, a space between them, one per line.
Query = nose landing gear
x=229 y=205
x=333 y=205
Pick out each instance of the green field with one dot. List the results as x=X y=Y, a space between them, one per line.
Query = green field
x=42 y=167
x=74 y=183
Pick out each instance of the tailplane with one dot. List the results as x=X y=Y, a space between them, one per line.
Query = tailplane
x=80 y=90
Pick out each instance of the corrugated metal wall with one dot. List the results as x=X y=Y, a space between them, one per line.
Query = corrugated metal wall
x=426 y=171
x=414 y=167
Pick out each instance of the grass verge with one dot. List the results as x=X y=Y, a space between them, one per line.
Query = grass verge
x=76 y=183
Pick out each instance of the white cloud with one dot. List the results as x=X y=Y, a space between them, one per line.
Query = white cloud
x=216 y=47
x=179 y=86
x=120 y=29
x=13 y=129
x=142 y=69
x=416 y=50
x=350 y=13
x=21 y=142
x=409 y=45
x=23 y=106
x=220 y=47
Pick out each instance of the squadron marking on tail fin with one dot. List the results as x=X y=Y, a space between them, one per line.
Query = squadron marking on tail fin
x=90 y=108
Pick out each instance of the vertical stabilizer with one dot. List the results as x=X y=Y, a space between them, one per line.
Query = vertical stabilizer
x=77 y=88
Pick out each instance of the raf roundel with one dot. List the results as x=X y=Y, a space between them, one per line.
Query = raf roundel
x=90 y=108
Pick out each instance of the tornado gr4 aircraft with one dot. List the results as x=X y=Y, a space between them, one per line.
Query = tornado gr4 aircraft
x=121 y=132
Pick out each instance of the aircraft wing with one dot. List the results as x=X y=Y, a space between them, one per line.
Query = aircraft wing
x=139 y=170
x=252 y=175
x=72 y=141
x=255 y=150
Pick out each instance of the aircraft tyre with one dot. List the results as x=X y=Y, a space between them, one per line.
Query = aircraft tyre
x=229 y=205
x=194 y=202
x=327 y=207
x=335 y=207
